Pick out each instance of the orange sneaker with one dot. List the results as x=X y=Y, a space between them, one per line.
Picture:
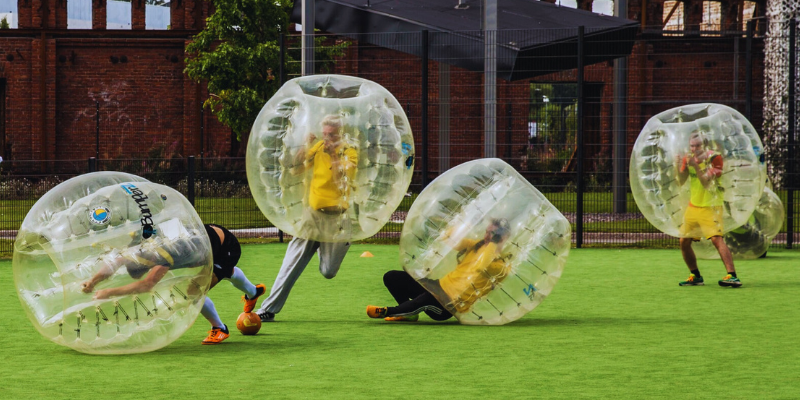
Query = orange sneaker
x=406 y=318
x=376 y=312
x=216 y=336
x=250 y=304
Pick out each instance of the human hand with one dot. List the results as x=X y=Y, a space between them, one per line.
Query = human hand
x=102 y=294
x=87 y=286
x=311 y=138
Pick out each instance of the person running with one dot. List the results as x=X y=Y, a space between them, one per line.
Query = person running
x=155 y=257
x=704 y=214
x=333 y=163
x=480 y=268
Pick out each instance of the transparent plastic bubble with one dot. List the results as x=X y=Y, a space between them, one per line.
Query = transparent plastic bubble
x=662 y=155
x=115 y=227
x=752 y=239
x=330 y=157
x=485 y=242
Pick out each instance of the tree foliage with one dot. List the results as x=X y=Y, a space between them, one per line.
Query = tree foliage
x=238 y=54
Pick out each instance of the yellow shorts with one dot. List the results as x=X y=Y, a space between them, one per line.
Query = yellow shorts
x=701 y=222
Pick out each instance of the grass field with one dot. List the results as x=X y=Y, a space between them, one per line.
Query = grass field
x=616 y=326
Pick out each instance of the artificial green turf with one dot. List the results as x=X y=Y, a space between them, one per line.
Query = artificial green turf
x=616 y=326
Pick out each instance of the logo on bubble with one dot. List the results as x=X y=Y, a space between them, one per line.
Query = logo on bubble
x=140 y=198
x=100 y=215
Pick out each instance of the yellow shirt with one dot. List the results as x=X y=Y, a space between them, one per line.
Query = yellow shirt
x=702 y=196
x=326 y=191
x=475 y=276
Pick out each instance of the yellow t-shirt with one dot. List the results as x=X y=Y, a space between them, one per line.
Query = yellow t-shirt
x=325 y=191
x=702 y=196
x=475 y=276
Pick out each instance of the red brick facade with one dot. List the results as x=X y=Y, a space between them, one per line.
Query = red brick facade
x=55 y=78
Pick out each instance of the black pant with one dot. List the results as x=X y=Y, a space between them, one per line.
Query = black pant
x=411 y=297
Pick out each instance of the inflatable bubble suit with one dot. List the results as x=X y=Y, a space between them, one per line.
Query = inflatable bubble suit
x=721 y=136
x=752 y=239
x=111 y=229
x=452 y=246
x=330 y=157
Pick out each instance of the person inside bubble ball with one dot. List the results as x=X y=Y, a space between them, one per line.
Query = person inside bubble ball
x=704 y=214
x=156 y=256
x=333 y=163
x=480 y=267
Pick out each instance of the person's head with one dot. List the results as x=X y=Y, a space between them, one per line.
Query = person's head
x=696 y=146
x=331 y=125
x=498 y=230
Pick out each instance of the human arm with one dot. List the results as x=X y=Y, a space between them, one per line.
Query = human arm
x=683 y=171
x=144 y=285
x=306 y=152
x=711 y=172
x=345 y=166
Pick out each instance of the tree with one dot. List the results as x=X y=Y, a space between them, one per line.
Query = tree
x=4 y=24
x=237 y=53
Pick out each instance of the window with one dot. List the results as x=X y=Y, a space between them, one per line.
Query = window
x=748 y=13
x=156 y=14
x=552 y=124
x=8 y=11
x=79 y=14
x=673 y=17
x=118 y=14
x=712 y=18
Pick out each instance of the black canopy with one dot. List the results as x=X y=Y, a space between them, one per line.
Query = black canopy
x=534 y=37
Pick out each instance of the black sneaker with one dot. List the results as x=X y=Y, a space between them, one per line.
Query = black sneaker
x=266 y=316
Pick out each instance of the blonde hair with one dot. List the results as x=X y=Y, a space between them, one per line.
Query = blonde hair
x=332 y=120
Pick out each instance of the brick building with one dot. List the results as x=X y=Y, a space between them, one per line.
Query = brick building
x=54 y=80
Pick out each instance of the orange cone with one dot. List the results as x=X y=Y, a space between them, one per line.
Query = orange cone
x=366 y=254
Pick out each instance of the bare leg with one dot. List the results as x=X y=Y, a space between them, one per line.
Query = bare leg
x=688 y=254
x=724 y=253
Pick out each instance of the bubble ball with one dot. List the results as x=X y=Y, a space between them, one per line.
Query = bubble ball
x=662 y=155
x=752 y=239
x=84 y=255
x=330 y=157
x=485 y=243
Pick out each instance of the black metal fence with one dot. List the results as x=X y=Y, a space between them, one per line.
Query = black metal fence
x=569 y=132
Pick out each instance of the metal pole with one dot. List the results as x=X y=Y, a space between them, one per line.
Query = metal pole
x=580 y=144
x=190 y=180
x=307 y=22
x=97 y=129
x=490 y=78
x=202 y=131
x=424 y=111
x=748 y=71
x=509 y=127
x=790 y=167
x=92 y=164
x=282 y=60
x=620 y=138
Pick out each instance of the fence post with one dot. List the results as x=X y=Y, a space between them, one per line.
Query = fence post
x=424 y=141
x=190 y=180
x=92 y=164
x=202 y=131
x=748 y=72
x=282 y=60
x=790 y=168
x=580 y=144
x=97 y=130
x=509 y=134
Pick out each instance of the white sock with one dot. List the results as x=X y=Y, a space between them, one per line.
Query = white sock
x=239 y=281
x=210 y=312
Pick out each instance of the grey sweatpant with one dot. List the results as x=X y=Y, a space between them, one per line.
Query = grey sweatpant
x=298 y=255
